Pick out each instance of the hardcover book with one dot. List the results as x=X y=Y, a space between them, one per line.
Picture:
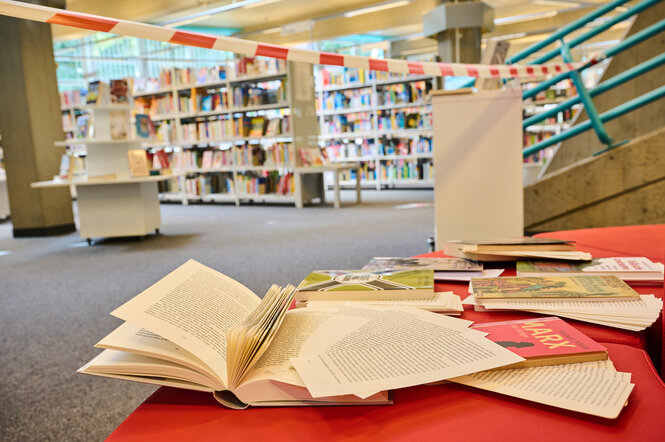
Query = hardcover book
x=338 y=285
x=201 y=330
x=138 y=163
x=568 y=287
x=512 y=248
x=543 y=341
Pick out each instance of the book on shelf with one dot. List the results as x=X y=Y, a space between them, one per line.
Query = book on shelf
x=386 y=285
x=634 y=269
x=543 y=341
x=160 y=160
x=311 y=157
x=83 y=127
x=67 y=166
x=553 y=287
x=144 y=126
x=511 y=249
x=138 y=163
x=256 y=127
x=119 y=125
x=98 y=93
x=119 y=91
x=206 y=161
x=201 y=330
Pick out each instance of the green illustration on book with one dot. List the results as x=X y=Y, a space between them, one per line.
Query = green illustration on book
x=553 y=287
x=367 y=284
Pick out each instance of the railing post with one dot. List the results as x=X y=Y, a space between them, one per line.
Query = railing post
x=584 y=95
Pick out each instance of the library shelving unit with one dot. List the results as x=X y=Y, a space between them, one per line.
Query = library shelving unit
x=548 y=99
x=383 y=121
x=111 y=203
x=238 y=132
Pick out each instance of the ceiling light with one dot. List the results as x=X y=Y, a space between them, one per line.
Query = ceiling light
x=376 y=8
x=202 y=15
x=261 y=3
x=557 y=3
x=525 y=17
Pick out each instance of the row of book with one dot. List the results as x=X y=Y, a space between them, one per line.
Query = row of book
x=404 y=120
x=255 y=66
x=356 y=122
x=407 y=170
x=195 y=100
x=187 y=76
x=221 y=128
x=352 y=76
x=347 y=99
x=73 y=98
x=274 y=155
x=198 y=158
x=367 y=173
x=155 y=106
x=367 y=148
x=402 y=93
x=208 y=184
x=266 y=183
x=261 y=93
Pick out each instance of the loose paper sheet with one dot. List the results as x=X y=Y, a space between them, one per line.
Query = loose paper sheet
x=373 y=349
x=592 y=387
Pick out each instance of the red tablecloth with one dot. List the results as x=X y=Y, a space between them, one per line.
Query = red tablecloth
x=423 y=413
x=647 y=240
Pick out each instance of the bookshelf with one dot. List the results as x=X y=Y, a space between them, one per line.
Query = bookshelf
x=383 y=121
x=111 y=203
x=236 y=132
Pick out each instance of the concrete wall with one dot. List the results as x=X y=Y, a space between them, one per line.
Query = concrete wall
x=625 y=186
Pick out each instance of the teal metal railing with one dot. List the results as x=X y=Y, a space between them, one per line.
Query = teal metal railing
x=596 y=119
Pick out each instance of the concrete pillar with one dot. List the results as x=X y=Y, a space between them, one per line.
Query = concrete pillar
x=458 y=28
x=30 y=122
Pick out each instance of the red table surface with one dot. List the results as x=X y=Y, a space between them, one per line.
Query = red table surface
x=436 y=412
x=646 y=240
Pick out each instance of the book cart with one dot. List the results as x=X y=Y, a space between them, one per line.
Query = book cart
x=383 y=121
x=237 y=133
x=111 y=203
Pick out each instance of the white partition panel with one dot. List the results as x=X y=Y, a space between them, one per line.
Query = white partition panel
x=478 y=192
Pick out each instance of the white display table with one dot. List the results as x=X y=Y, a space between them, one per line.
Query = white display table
x=112 y=203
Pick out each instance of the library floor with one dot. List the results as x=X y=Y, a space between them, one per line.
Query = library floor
x=56 y=292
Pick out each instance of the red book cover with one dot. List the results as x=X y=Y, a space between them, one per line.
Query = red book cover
x=543 y=341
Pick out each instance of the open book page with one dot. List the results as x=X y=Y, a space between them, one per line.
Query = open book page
x=132 y=338
x=115 y=363
x=275 y=364
x=388 y=348
x=248 y=341
x=194 y=307
x=591 y=387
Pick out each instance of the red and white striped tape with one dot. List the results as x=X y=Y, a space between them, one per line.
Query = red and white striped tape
x=251 y=48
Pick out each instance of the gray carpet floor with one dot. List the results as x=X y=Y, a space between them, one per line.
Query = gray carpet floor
x=56 y=292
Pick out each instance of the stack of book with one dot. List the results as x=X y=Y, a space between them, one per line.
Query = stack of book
x=604 y=300
x=199 y=329
x=513 y=248
x=634 y=270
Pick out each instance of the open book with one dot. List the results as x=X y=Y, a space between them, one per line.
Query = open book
x=199 y=329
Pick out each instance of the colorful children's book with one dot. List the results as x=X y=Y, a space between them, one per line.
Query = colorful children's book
x=338 y=285
x=543 y=341
x=562 y=287
x=635 y=269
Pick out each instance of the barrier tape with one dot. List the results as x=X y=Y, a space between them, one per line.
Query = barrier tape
x=251 y=48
